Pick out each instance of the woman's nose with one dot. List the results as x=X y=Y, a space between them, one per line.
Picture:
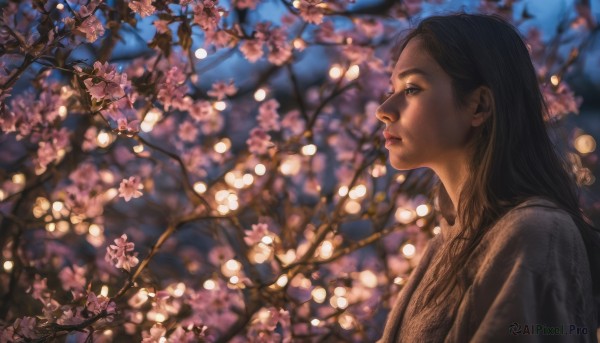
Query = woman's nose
x=385 y=115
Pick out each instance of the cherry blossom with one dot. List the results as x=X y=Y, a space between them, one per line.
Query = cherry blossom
x=259 y=141
x=258 y=232
x=232 y=240
x=91 y=27
x=130 y=188
x=120 y=254
x=268 y=118
x=156 y=334
x=107 y=83
x=221 y=89
x=143 y=7
x=73 y=278
x=310 y=11
x=207 y=14
x=252 y=49
x=188 y=131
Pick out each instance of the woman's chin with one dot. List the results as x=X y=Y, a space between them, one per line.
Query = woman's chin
x=401 y=165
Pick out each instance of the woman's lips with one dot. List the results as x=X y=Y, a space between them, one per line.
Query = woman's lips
x=391 y=139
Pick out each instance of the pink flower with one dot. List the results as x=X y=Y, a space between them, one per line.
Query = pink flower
x=72 y=278
x=560 y=101
x=201 y=110
x=172 y=91
x=293 y=121
x=130 y=188
x=268 y=118
x=252 y=49
x=207 y=14
x=279 y=55
x=259 y=141
x=157 y=331
x=219 y=254
x=39 y=288
x=188 y=131
x=124 y=126
x=144 y=7
x=257 y=233
x=7 y=334
x=310 y=12
x=90 y=141
x=219 y=38
x=119 y=253
x=97 y=304
x=108 y=83
x=91 y=27
x=220 y=89
x=25 y=327
x=70 y=317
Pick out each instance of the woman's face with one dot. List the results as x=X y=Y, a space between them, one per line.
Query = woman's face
x=424 y=125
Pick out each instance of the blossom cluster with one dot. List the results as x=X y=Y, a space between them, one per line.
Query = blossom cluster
x=210 y=171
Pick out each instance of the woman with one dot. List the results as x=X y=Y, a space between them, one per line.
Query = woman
x=516 y=261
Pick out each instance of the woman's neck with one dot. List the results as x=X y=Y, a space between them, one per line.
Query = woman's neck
x=452 y=176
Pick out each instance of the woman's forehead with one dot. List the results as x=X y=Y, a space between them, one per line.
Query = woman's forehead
x=414 y=59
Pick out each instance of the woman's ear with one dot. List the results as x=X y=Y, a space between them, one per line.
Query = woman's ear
x=484 y=101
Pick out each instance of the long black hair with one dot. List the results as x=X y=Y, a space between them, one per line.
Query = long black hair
x=514 y=158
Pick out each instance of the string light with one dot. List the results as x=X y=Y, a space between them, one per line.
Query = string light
x=335 y=72
x=209 y=284
x=260 y=169
x=325 y=249
x=94 y=230
x=343 y=190
x=103 y=139
x=104 y=291
x=319 y=294
x=352 y=207
x=222 y=146
x=260 y=94
x=290 y=165
x=62 y=110
x=18 y=179
x=201 y=53
x=404 y=215
x=408 y=250
x=200 y=187
x=422 y=210
x=220 y=105
x=585 y=144
x=368 y=278
x=8 y=265
x=282 y=280
x=309 y=150
x=352 y=73
x=138 y=148
x=57 y=206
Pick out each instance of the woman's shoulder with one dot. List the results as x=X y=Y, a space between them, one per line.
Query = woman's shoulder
x=536 y=216
x=537 y=230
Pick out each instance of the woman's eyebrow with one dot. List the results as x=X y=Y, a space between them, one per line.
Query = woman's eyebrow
x=405 y=73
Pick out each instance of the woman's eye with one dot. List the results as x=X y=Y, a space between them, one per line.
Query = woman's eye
x=410 y=90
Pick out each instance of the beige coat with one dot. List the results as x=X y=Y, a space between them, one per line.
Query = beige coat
x=529 y=278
